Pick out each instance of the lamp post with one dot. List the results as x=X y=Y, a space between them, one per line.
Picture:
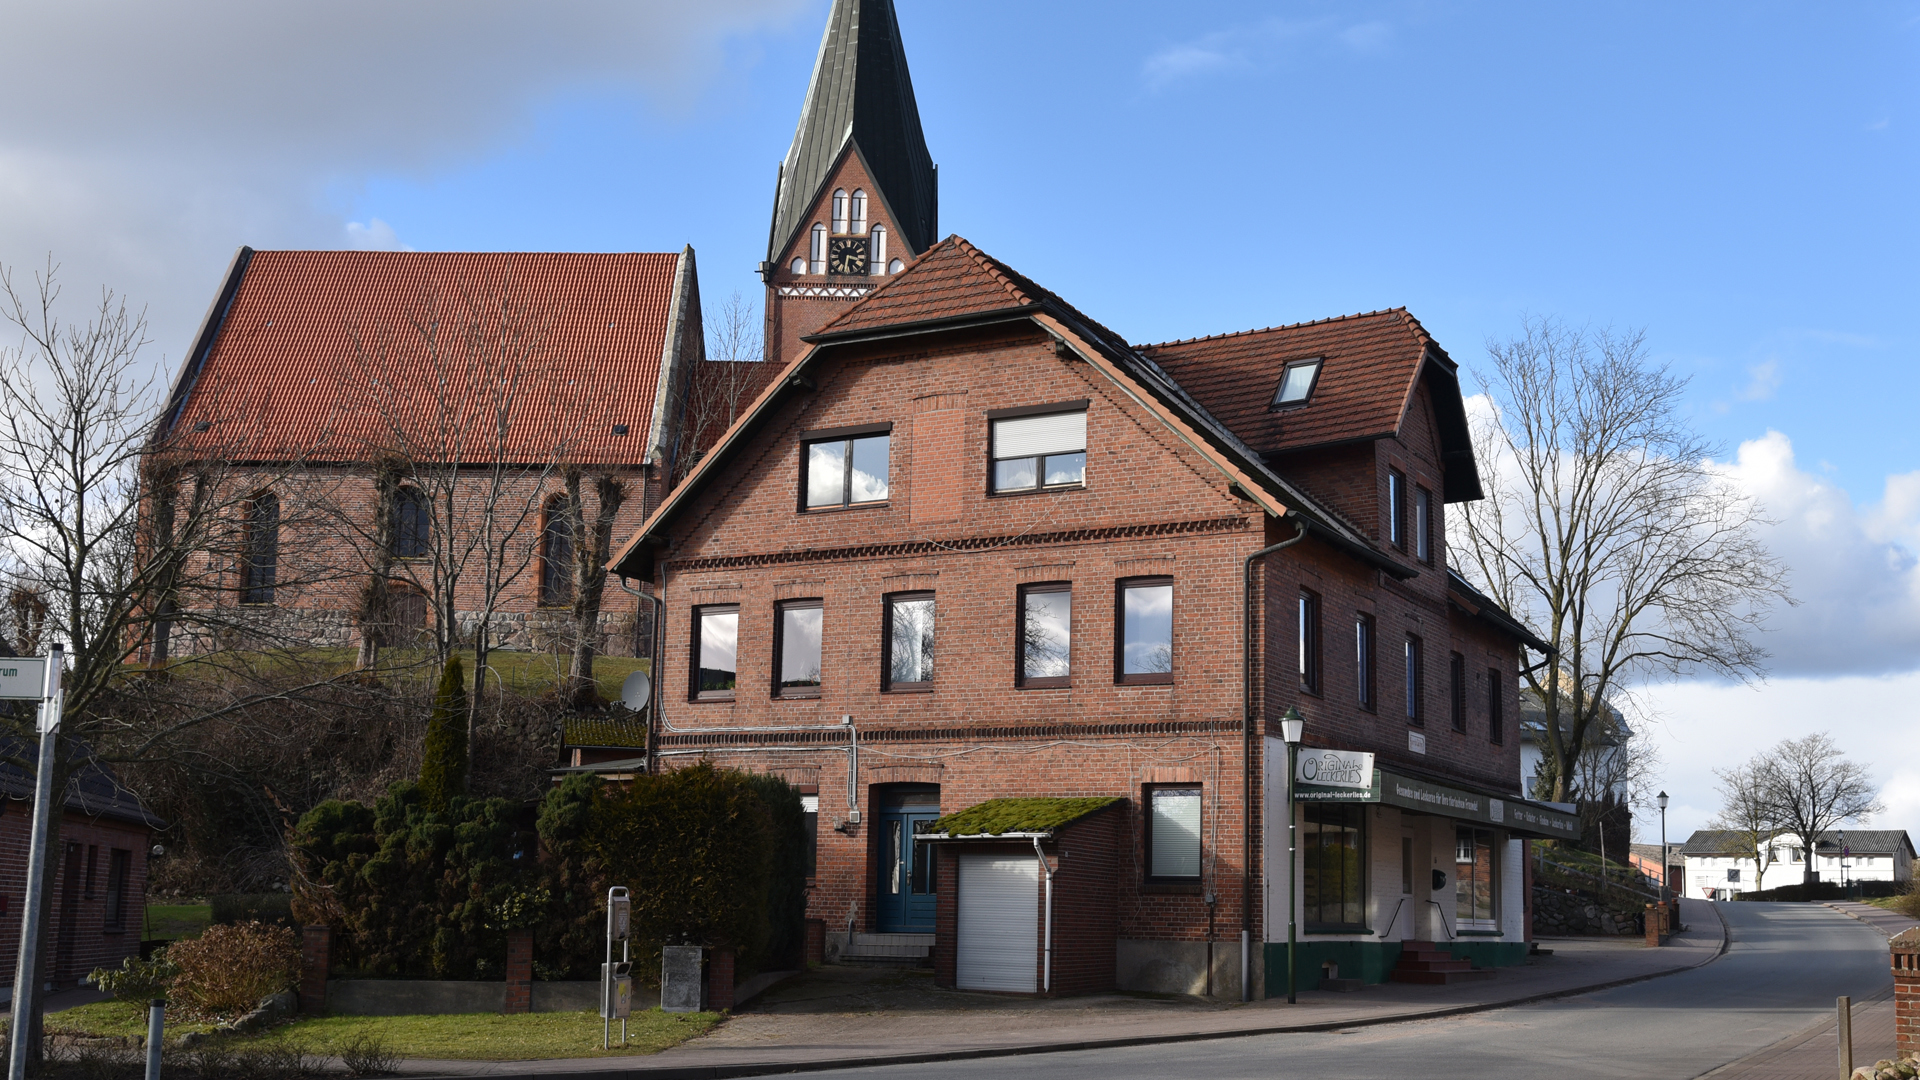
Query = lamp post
x=1290 y=725
x=1666 y=860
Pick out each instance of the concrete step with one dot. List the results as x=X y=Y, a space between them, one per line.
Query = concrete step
x=888 y=950
x=1437 y=978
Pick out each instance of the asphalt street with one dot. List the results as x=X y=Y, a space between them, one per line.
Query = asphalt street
x=1785 y=965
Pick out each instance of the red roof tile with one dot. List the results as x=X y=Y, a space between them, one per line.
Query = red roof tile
x=1365 y=383
x=951 y=279
x=288 y=374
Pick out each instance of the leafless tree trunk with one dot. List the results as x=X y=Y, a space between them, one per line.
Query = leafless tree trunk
x=1811 y=787
x=1746 y=811
x=719 y=387
x=1606 y=531
x=592 y=545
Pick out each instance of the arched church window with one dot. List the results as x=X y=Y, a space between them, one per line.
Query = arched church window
x=859 y=212
x=556 y=555
x=817 y=250
x=261 y=558
x=896 y=266
x=877 y=248
x=412 y=526
x=839 y=211
x=799 y=265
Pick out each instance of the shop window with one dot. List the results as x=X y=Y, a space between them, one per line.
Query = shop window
x=845 y=468
x=909 y=644
x=118 y=864
x=716 y=644
x=1046 y=634
x=260 y=559
x=1333 y=860
x=1034 y=452
x=556 y=555
x=1363 y=660
x=1173 y=832
x=1475 y=874
x=797 y=645
x=1308 y=632
x=1145 y=622
x=412 y=525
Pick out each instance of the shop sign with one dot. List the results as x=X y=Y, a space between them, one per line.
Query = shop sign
x=1310 y=792
x=1334 y=768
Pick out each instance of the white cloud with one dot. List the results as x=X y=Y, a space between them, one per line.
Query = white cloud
x=1257 y=46
x=144 y=142
x=1371 y=36
x=1762 y=380
x=1178 y=62
x=375 y=235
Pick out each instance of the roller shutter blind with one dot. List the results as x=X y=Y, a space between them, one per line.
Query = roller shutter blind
x=998 y=925
x=1032 y=436
x=1176 y=833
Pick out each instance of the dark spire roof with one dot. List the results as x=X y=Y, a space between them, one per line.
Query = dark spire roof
x=860 y=93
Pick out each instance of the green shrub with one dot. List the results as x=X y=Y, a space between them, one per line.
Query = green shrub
x=224 y=973
x=136 y=982
x=443 y=759
x=787 y=888
x=571 y=942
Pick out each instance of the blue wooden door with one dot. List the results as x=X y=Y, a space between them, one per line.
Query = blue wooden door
x=904 y=899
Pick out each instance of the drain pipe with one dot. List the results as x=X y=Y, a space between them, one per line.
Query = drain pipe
x=653 y=664
x=1246 y=770
x=1046 y=964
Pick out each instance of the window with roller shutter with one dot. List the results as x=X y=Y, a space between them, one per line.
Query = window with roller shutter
x=1039 y=448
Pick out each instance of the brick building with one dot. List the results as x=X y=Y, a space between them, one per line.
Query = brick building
x=96 y=896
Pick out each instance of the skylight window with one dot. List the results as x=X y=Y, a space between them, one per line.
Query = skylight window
x=1296 y=383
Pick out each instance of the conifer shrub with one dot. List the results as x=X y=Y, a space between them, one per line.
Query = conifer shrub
x=443 y=760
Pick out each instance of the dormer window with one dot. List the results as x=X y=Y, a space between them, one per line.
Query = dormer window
x=859 y=224
x=1296 y=382
x=877 y=248
x=817 y=250
x=839 y=211
x=896 y=266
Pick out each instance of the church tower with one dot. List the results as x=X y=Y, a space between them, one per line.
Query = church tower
x=858 y=194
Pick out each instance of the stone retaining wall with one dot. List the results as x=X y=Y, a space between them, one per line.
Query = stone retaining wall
x=1557 y=914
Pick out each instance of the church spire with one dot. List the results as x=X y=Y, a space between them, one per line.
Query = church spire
x=860 y=94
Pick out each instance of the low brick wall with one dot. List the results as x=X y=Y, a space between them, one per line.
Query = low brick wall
x=1905 y=949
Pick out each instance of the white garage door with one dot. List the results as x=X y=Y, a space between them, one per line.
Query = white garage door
x=999 y=923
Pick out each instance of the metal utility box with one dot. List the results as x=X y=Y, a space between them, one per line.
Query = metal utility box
x=616 y=991
x=683 y=983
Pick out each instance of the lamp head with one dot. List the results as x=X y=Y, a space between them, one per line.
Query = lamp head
x=1661 y=799
x=1290 y=726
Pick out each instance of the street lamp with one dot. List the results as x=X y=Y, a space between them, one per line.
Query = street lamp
x=1290 y=725
x=1666 y=861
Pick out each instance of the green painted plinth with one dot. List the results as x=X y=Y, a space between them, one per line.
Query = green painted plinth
x=1372 y=960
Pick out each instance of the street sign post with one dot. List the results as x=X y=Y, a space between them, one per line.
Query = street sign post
x=26 y=974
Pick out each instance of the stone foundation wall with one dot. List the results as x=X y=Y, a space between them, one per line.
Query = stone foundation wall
x=1558 y=914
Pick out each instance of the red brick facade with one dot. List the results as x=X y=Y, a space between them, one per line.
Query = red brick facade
x=88 y=925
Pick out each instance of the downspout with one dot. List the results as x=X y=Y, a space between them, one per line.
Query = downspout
x=1046 y=964
x=653 y=664
x=1246 y=770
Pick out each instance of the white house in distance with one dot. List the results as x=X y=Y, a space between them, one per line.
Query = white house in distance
x=1718 y=870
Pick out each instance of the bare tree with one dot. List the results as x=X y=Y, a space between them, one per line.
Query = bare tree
x=721 y=384
x=1606 y=530
x=1747 y=813
x=592 y=545
x=1811 y=787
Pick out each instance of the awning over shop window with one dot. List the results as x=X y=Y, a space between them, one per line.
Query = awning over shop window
x=1518 y=816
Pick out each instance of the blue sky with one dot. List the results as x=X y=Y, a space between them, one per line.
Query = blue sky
x=1736 y=179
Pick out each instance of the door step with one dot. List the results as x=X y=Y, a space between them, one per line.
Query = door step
x=888 y=950
x=1421 y=962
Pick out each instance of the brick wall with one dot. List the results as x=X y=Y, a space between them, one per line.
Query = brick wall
x=1086 y=860
x=790 y=314
x=78 y=937
x=1905 y=956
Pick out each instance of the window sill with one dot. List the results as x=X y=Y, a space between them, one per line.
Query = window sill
x=1143 y=680
x=1364 y=931
x=927 y=689
x=706 y=699
x=1170 y=888
x=797 y=695
x=1044 y=684
x=1054 y=490
x=881 y=505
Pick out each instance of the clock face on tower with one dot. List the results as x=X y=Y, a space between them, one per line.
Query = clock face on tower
x=847 y=255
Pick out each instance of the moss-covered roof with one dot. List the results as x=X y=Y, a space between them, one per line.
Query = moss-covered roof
x=997 y=816
x=600 y=731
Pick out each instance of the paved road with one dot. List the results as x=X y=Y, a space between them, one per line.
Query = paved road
x=1786 y=964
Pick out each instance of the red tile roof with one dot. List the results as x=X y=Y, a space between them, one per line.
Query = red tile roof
x=1365 y=384
x=951 y=279
x=288 y=375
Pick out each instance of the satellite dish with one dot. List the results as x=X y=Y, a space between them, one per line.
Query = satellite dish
x=636 y=691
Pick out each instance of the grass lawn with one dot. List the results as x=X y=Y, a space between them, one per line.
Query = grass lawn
x=1891 y=903
x=172 y=922
x=468 y=1036
x=529 y=673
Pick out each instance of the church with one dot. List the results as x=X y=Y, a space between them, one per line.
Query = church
x=1036 y=617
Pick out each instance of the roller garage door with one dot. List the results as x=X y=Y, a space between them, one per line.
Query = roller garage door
x=999 y=923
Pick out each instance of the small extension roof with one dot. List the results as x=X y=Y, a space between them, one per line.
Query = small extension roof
x=1019 y=816
x=597 y=733
x=1371 y=368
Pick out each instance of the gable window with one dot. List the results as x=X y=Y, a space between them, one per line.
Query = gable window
x=1333 y=875
x=1457 y=692
x=1363 y=659
x=1037 y=448
x=1173 y=832
x=859 y=222
x=1397 y=509
x=1423 y=524
x=909 y=644
x=1296 y=382
x=894 y=266
x=1496 y=707
x=1309 y=634
x=1416 y=700
x=817 y=250
x=839 y=211
x=1145 y=621
x=797 y=644
x=716 y=648
x=556 y=555
x=411 y=525
x=877 y=249
x=844 y=467
x=1046 y=634
x=260 y=558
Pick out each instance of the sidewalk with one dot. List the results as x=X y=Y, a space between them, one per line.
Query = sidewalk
x=839 y=1017
x=1887 y=922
